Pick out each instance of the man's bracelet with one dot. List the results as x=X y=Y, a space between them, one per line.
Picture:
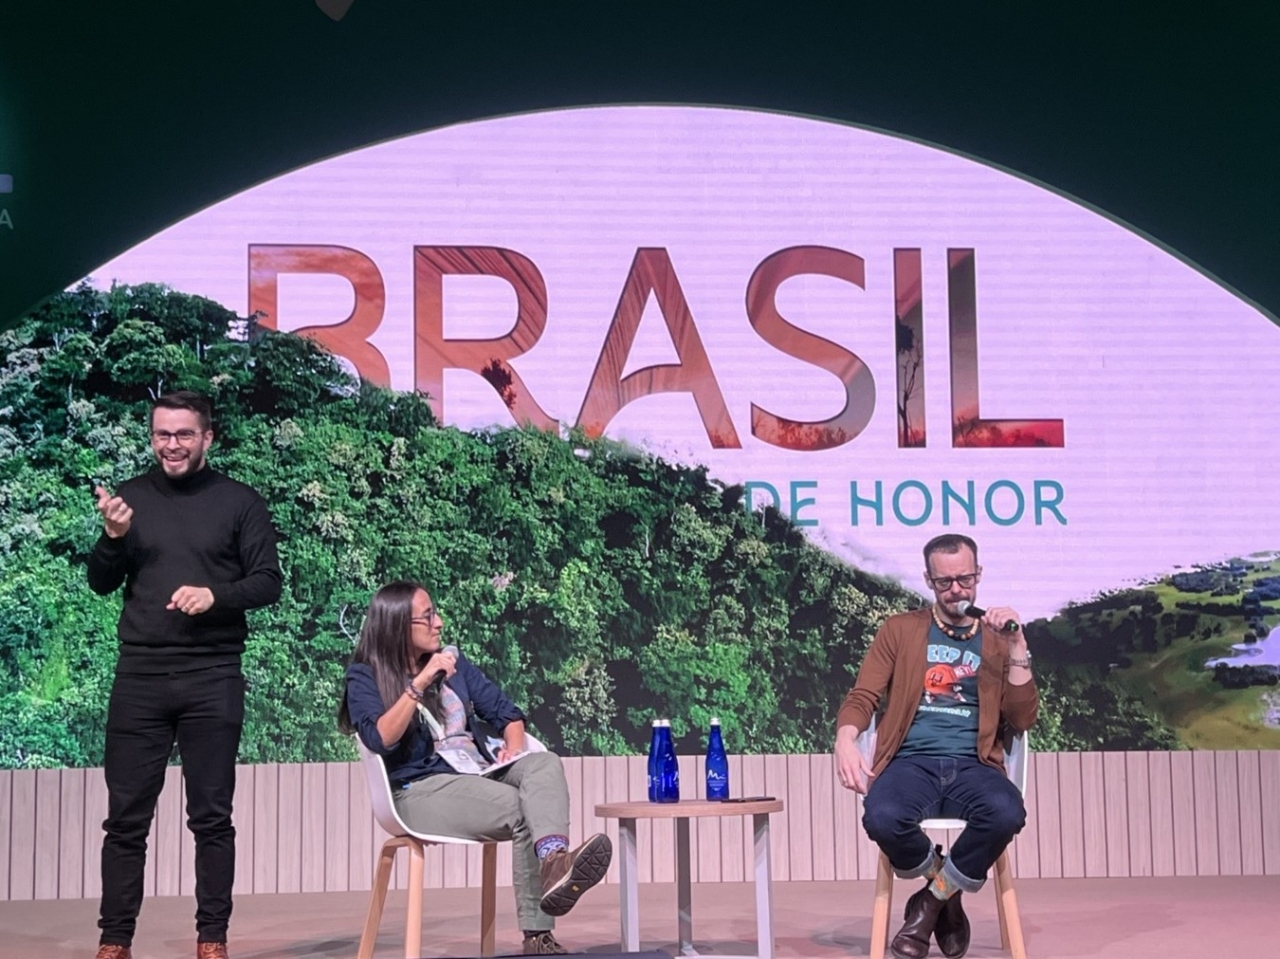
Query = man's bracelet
x=414 y=692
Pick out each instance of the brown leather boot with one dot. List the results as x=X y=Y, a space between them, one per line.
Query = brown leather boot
x=952 y=930
x=111 y=950
x=211 y=950
x=567 y=875
x=912 y=940
x=542 y=944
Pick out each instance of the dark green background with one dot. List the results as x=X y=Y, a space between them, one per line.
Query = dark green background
x=117 y=119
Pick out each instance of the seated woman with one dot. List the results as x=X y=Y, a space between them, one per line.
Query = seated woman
x=401 y=685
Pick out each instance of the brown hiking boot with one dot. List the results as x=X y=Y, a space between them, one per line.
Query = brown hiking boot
x=543 y=944
x=567 y=875
x=111 y=950
x=211 y=950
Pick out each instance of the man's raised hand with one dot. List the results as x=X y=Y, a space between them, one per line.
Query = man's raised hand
x=116 y=513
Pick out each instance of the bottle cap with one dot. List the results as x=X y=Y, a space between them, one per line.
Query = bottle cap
x=715 y=721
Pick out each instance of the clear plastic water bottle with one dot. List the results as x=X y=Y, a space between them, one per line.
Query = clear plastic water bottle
x=655 y=753
x=668 y=765
x=717 y=765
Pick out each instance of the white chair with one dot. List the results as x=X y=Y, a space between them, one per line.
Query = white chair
x=384 y=811
x=1015 y=763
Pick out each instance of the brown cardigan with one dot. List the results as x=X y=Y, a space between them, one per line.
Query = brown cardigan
x=896 y=661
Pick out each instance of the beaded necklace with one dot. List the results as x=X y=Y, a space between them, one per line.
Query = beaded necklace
x=970 y=631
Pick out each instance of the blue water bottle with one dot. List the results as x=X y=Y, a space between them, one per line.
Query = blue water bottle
x=717 y=765
x=655 y=753
x=668 y=766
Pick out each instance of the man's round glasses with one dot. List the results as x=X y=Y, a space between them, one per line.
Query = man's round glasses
x=943 y=583
x=185 y=437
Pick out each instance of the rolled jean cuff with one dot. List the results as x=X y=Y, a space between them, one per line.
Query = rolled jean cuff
x=954 y=877
x=930 y=864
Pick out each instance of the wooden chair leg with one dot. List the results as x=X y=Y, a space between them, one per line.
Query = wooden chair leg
x=413 y=918
x=881 y=909
x=1007 y=906
x=488 y=897
x=378 y=897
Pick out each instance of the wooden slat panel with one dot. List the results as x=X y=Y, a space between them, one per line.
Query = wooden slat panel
x=1269 y=783
x=868 y=851
x=95 y=812
x=733 y=856
x=1227 y=799
x=705 y=833
x=244 y=820
x=22 y=836
x=753 y=784
x=1164 y=840
x=1044 y=769
x=775 y=784
x=822 y=776
x=455 y=867
x=1071 y=815
x=1182 y=793
x=312 y=852
x=266 y=831
x=846 y=830
x=6 y=822
x=48 y=823
x=689 y=790
x=337 y=827
x=1116 y=810
x=595 y=791
x=71 y=835
x=799 y=812
x=638 y=791
x=1250 y=791
x=289 y=814
x=617 y=788
x=1138 y=813
x=166 y=836
x=1204 y=777
x=360 y=850
x=1094 y=810
x=1026 y=847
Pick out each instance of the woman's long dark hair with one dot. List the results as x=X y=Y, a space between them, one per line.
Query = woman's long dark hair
x=384 y=643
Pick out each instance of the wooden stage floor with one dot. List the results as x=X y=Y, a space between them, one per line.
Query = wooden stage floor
x=1062 y=919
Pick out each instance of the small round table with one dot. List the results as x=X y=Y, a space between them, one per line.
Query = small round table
x=628 y=812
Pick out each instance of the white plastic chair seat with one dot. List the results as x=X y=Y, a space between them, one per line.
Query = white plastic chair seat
x=384 y=812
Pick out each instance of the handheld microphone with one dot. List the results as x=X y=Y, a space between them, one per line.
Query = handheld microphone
x=438 y=680
x=968 y=609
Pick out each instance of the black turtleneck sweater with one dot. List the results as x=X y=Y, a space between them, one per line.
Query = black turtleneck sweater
x=202 y=530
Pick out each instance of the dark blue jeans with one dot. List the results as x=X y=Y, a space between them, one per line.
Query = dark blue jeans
x=912 y=788
x=203 y=711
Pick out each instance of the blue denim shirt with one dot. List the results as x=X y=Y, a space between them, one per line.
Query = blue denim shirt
x=413 y=757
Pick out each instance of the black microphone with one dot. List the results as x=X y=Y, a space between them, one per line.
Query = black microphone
x=977 y=612
x=438 y=679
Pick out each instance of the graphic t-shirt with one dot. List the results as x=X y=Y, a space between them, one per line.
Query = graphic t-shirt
x=946 y=721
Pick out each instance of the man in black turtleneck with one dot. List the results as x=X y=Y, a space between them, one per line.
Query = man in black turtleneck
x=194 y=550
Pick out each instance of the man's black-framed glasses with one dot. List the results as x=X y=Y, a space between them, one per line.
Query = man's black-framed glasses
x=185 y=437
x=943 y=583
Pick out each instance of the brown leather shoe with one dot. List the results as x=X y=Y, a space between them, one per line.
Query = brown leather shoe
x=952 y=930
x=567 y=875
x=111 y=950
x=543 y=944
x=912 y=940
x=211 y=950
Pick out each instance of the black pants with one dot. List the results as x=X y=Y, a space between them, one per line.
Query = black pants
x=203 y=711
